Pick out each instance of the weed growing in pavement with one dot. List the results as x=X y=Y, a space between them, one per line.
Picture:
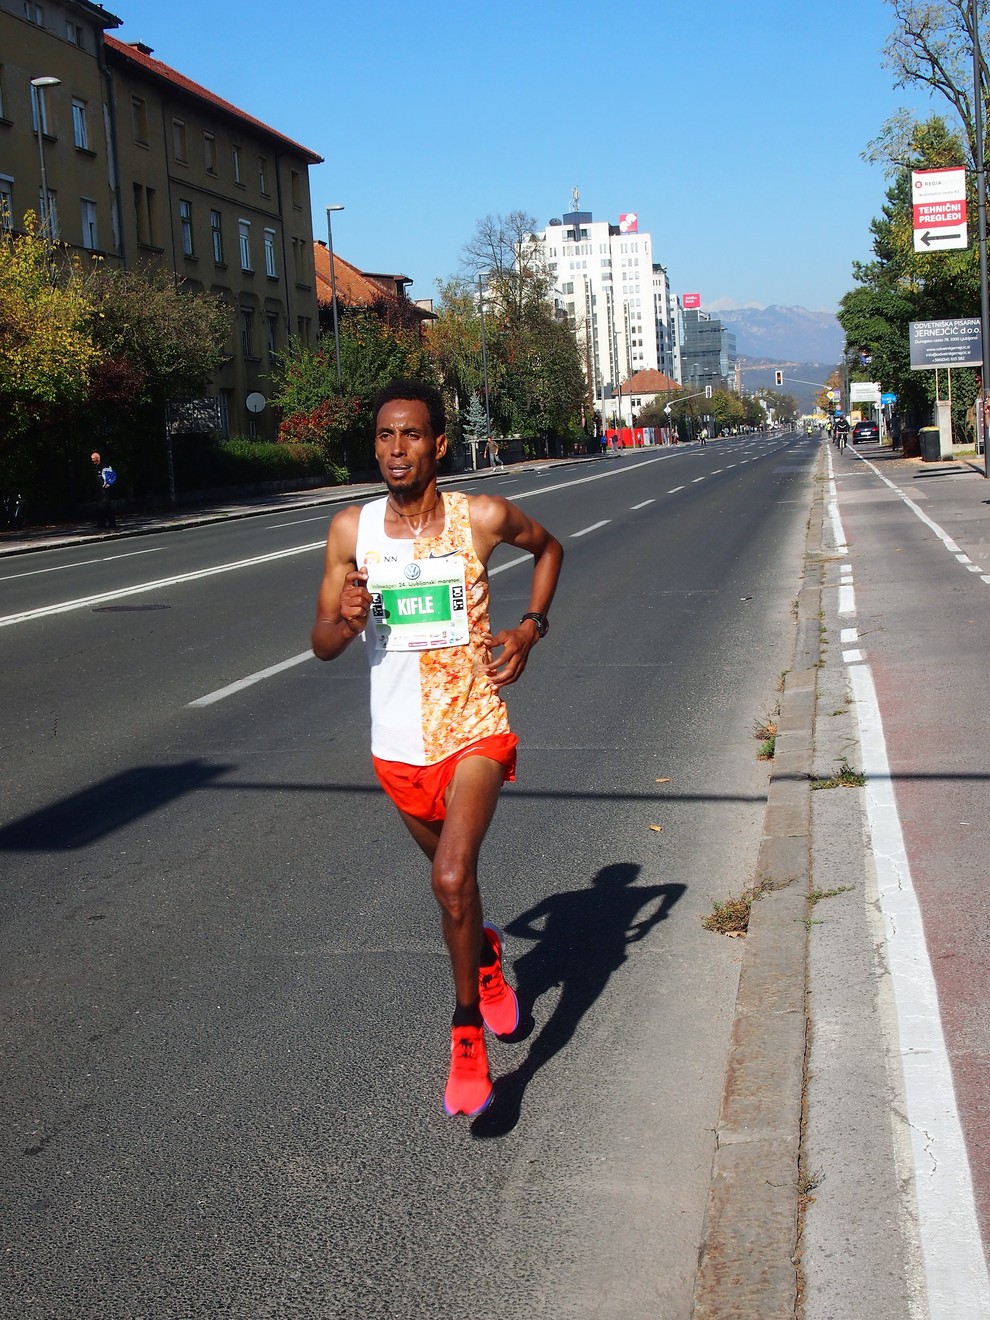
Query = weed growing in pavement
x=768 y=749
x=817 y=895
x=807 y=1184
x=845 y=777
x=732 y=916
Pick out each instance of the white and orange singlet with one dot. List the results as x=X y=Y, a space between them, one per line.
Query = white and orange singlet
x=430 y=695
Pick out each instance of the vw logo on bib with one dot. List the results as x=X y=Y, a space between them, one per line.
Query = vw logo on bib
x=413 y=571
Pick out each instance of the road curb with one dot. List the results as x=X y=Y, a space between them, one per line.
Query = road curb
x=748 y=1258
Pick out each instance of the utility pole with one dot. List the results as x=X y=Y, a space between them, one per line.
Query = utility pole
x=981 y=223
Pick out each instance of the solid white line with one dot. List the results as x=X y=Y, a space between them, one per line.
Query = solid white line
x=593 y=528
x=297 y=522
x=82 y=563
x=641 y=506
x=955 y=1267
x=251 y=679
x=83 y=602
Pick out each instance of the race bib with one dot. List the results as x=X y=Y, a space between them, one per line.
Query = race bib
x=420 y=605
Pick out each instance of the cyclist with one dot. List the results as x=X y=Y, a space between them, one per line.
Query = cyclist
x=841 y=432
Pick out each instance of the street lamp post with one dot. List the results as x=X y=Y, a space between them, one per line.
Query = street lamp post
x=39 y=85
x=484 y=369
x=333 y=292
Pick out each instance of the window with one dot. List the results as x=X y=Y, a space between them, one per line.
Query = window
x=53 y=227
x=247 y=332
x=89 y=238
x=80 y=130
x=2 y=116
x=210 y=152
x=74 y=33
x=235 y=161
x=270 y=270
x=39 y=106
x=216 y=231
x=244 y=238
x=34 y=13
x=295 y=183
x=6 y=203
x=299 y=259
x=263 y=174
x=271 y=327
x=144 y=214
x=139 y=119
x=304 y=328
x=179 y=140
x=186 y=226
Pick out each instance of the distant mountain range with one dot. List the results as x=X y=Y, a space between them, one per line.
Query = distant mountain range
x=784 y=334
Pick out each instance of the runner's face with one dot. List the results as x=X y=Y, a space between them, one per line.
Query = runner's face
x=406 y=448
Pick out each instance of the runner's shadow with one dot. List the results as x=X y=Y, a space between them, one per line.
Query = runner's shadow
x=580 y=938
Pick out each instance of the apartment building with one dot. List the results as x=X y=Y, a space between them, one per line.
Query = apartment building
x=708 y=351
x=616 y=299
x=146 y=167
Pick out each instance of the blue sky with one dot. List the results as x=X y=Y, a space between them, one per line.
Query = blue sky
x=733 y=129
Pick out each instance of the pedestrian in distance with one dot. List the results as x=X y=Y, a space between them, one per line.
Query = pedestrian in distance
x=106 y=478
x=492 y=451
x=408 y=571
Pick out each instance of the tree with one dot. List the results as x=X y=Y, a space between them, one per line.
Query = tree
x=47 y=352
x=476 y=422
x=506 y=254
x=900 y=285
x=314 y=409
x=932 y=47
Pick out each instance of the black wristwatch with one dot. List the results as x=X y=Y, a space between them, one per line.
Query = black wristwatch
x=541 y=621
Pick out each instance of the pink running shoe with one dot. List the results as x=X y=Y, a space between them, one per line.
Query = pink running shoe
x=469 y=1087
x=498 y=1003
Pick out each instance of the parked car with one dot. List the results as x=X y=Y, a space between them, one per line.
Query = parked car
x=865 y=431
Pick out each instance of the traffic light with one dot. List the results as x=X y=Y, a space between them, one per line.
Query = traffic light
x=778 y=378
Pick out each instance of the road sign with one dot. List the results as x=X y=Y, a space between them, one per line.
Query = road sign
x=939 y=205
x=888 y=399
x=955 y=343
x=864 y=391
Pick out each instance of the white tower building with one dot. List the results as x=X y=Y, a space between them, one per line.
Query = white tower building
x=617 y=302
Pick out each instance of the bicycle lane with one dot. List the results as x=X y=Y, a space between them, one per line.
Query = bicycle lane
x=917 y=615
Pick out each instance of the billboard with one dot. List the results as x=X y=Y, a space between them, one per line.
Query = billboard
x=689 y=300
x=939 y=209
x=629 y=222
x=955 y=343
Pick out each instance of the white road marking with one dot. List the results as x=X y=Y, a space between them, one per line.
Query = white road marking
x=298 y=522
x=849 y=635
x=86 y=602
x=251 y=679
x=641 y=506
x=955 y=1267
x=853 y=657
x=696 y=480
x=82 y=563
x=675 y=490
x=593 y=528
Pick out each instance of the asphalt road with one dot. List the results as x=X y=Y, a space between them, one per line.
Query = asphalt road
x=225 y=995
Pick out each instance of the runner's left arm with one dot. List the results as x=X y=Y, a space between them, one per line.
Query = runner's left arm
x=507 y=523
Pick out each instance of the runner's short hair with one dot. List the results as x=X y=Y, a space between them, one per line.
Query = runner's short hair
x=420 y=391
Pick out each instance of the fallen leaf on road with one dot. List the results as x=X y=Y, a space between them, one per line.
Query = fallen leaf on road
x=665 y=780
x=736 y=934
x=657 y=828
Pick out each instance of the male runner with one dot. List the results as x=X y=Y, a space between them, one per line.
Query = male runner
x=409 y=571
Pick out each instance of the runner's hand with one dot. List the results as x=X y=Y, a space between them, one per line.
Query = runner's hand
x=355 y=601
x=516 y=644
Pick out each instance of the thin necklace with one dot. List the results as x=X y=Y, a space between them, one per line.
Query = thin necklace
x=422 y=515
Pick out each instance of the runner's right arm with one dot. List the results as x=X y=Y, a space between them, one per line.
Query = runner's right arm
x=344 y=601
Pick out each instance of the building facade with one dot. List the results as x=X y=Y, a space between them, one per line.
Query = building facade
x=616 y=300
x=145 y=167
x=708 y=352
